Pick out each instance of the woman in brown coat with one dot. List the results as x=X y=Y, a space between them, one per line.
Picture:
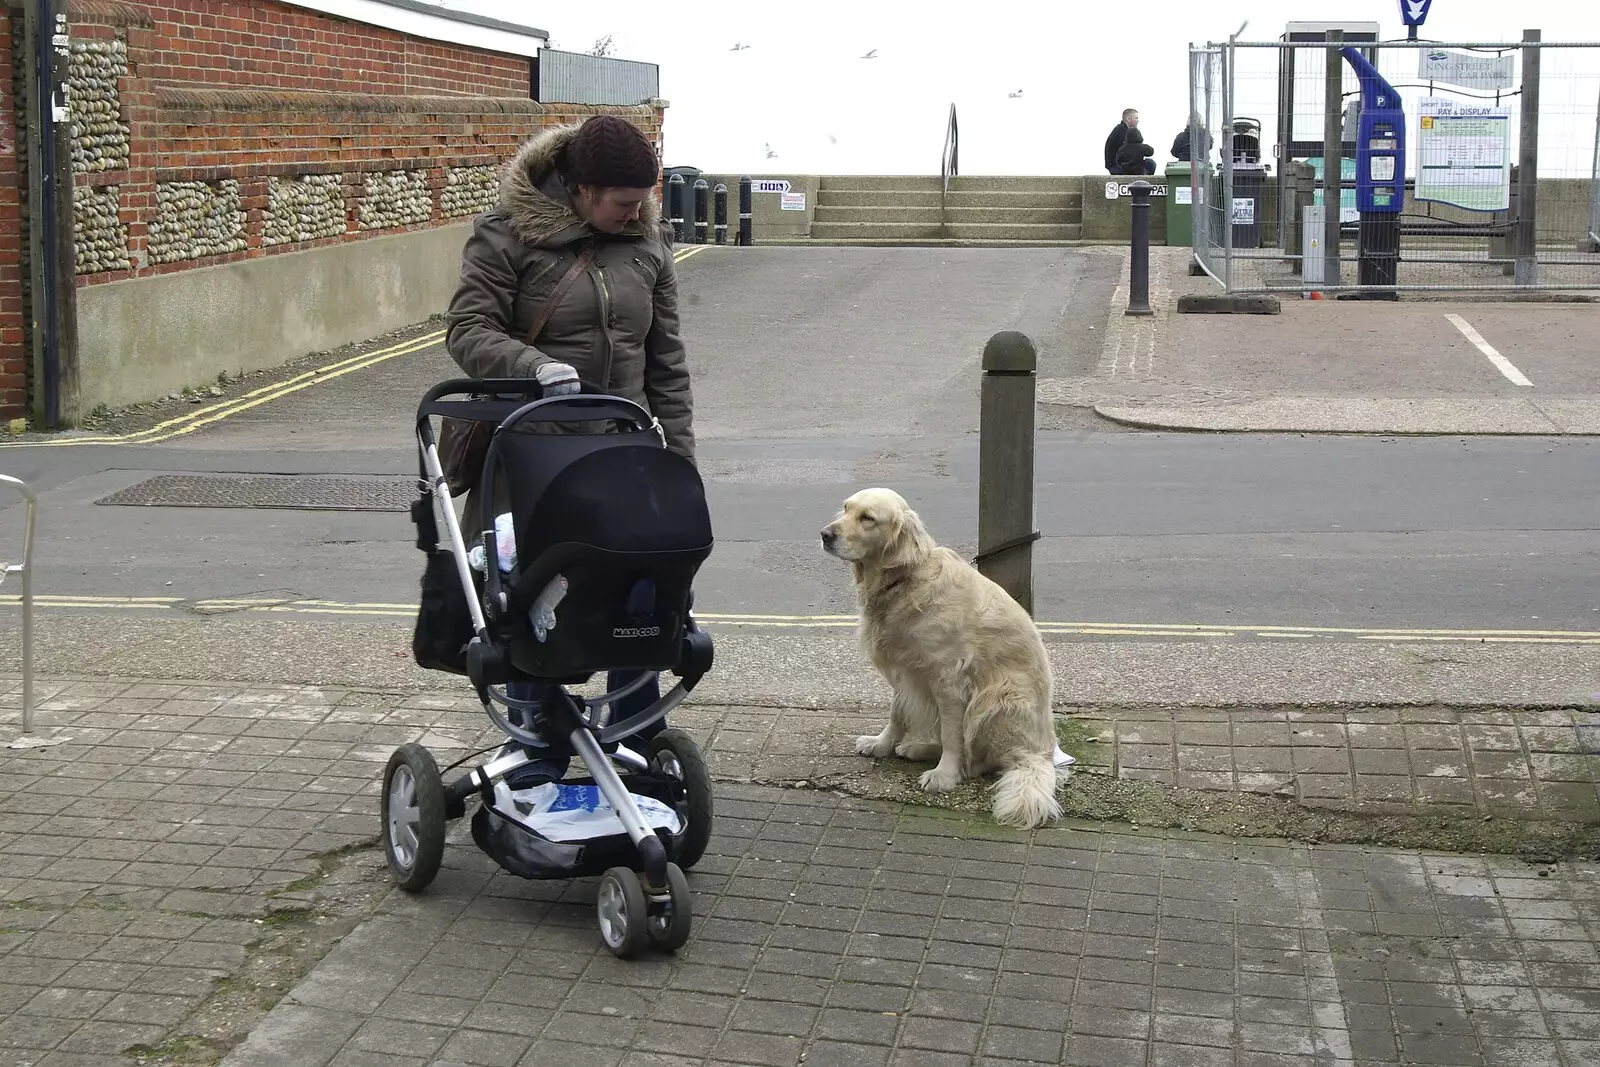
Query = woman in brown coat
x=570 y=194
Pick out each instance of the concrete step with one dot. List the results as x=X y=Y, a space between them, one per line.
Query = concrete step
x=1007 y=213
x=1014 y=231
x=1012 y=198
x=880 y=230
x=957 y=199
x=877 y=198
x=827 y=212
x=969 y=231
x=1016 y=183
x=924 y=242
x=877 y=182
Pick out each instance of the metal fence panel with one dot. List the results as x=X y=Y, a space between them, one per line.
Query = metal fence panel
x=576 y=78
x=1461 y=226
x=1205 y=120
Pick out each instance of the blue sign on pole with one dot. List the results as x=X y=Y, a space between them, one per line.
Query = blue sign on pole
x=1414 y=13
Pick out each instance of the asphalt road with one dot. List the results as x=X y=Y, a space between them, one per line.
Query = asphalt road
x=819 y=371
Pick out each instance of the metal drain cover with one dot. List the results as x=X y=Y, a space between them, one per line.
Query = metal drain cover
x=299 y=492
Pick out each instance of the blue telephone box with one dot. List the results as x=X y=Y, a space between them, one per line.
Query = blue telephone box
x=1380 y=176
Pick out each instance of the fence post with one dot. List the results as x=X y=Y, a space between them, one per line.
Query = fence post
x=720 y=196
x=1527 y=238
x=675 y=194
x=1226 y=213
x=1332 y=158
x=1139 y=253
x=1005 y=465
x=702 y=208
x=745 y=238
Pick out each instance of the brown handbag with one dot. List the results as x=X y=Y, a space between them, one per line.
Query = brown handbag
x=463 y=444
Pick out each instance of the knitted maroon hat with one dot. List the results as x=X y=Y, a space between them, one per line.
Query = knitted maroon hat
x=611 y=151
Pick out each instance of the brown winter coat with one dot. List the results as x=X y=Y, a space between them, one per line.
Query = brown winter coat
x=617 y=326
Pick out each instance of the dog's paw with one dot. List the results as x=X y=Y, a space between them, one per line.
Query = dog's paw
x=940 y=780
x=873 y=746
x=917 y=751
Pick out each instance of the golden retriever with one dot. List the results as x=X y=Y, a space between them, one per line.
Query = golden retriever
x=972 y=685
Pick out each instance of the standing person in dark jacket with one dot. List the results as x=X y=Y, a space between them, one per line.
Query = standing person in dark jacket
x=568 y=191
x=1119 y=133
x=1135 y=157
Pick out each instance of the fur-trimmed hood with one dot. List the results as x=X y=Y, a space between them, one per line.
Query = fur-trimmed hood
x=535 y=201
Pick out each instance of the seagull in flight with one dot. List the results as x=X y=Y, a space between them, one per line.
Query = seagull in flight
x=738 y=48
x=871 y=55
x=770 y=153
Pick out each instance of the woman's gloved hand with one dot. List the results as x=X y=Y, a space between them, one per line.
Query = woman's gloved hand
x=557 y=379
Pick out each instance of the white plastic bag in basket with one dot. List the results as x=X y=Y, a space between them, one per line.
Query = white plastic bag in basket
x=563 y=812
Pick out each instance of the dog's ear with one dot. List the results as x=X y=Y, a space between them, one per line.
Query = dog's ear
x=907 y=542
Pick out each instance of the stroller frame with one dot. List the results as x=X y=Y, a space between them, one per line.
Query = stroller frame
x=416 y=802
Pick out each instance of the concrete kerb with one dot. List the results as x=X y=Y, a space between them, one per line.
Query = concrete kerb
x=1368 y=416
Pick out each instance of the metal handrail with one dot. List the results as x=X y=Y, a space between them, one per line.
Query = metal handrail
x=25 y=568
x=947 y=165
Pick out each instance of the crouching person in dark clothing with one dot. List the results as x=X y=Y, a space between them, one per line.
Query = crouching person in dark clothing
x=1135 y=157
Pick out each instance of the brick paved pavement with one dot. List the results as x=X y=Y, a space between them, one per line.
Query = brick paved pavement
x=152 y=866
x=833 y=932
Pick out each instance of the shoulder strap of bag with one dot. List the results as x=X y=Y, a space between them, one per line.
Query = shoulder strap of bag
x=579 y=265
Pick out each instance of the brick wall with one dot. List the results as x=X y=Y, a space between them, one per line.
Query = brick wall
x=201 y=42
x=215 y=132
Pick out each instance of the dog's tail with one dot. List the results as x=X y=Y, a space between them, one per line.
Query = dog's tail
x=1025 y=795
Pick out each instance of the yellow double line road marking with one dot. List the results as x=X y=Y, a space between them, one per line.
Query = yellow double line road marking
x=278 y=606
x=204 y=416
x=191 y=421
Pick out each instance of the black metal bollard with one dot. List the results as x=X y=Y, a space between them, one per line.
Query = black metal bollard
x=720 y=195
x=1139 y=253
x=745 y=185
x=702 y=208
x=675 y=197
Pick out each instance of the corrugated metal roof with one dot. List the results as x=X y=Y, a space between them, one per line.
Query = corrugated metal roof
x=578 y=78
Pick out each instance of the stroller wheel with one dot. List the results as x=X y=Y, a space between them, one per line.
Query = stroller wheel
x=413 y=816
x=623 y=912
x=674 y=752
x=669 y=925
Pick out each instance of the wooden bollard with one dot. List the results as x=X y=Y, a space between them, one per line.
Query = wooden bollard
x=1006 y=531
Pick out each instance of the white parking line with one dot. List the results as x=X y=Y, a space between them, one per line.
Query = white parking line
x=1501 y=363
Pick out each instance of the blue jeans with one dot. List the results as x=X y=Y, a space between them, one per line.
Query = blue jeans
x=551 y=764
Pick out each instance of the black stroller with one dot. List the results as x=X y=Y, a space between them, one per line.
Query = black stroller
x=609 y=529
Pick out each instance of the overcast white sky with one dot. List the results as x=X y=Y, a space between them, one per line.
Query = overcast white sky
x=802 y=89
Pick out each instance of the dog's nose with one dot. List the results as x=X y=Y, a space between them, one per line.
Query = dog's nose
x=829 y=537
